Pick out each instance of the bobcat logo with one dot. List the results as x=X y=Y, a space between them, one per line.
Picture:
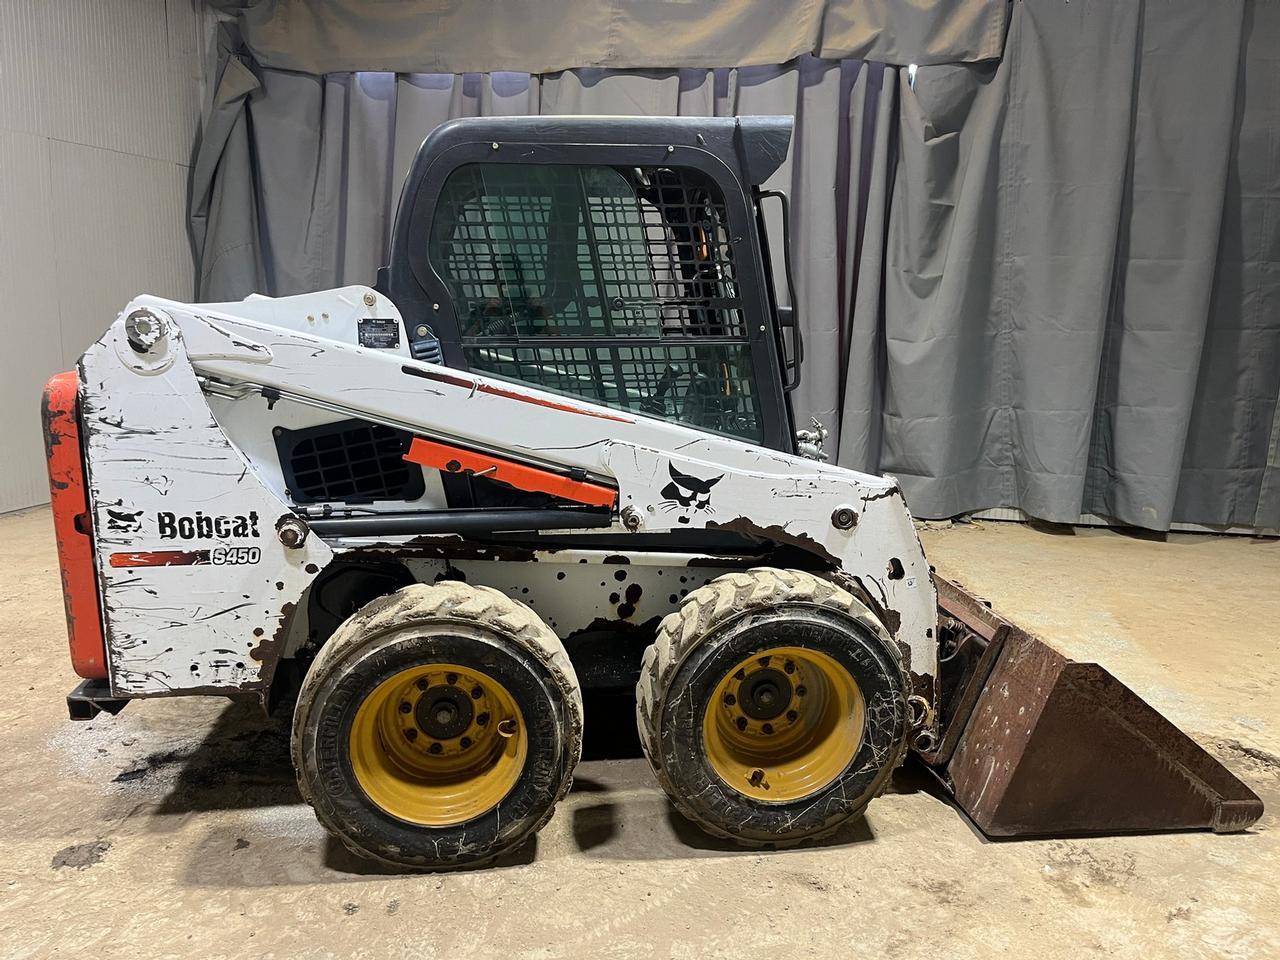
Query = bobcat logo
x=687 y=494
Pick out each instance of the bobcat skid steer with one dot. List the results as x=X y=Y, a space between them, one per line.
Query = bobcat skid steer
x=553 y=450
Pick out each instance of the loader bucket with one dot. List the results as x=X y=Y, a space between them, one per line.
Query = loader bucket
x=1036 y=744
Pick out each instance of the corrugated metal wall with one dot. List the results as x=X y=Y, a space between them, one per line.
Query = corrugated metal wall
x=99 y=104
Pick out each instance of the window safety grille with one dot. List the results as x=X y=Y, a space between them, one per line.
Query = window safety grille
x=350 y=461
x=704 y=386
x=600 y=282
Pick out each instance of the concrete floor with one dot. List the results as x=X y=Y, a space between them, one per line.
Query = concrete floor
x=176 y=829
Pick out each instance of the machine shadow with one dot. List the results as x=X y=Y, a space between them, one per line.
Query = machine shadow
x=609 y=726
x=243 y=762
x=908 y=779
x=601 y=830
x=342 y=861
x=644 y=825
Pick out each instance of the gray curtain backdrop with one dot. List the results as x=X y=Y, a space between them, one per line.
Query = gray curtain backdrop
x=1048 y=282
x=1081 y=298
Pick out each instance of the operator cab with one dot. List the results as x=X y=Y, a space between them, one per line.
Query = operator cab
x=619 y=260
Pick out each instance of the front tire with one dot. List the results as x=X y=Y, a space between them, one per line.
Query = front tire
x=772 y=707
x=438 y=727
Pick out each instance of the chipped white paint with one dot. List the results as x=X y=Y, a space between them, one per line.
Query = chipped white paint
x=153 y=449
x=792 y=500
x=155 y=445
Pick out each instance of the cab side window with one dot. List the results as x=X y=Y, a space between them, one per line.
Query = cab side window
x=612 y=284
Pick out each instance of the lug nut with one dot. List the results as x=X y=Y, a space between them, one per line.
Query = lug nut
x=789 y=667
x=482 y=720
x=792 y=716
x=741 y=723
x=422 y=683
x=465 y=742
x=476 y=693
x=451 y=678
x=411 y=734
x=730 y=699
x=405 y=707
x=801 y=691
x=435 y=748
x=767 y=728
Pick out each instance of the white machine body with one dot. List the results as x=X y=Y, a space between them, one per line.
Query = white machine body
x=204 y=559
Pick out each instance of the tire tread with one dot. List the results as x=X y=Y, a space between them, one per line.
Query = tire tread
x=448 y=600
x=703 y=610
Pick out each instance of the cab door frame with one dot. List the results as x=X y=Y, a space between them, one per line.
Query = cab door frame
x=424 y=299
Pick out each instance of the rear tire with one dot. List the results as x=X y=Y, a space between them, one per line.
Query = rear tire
x=772 y=707
x=438 y=727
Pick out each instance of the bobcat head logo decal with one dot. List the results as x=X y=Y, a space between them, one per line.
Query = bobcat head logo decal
x=687 y=494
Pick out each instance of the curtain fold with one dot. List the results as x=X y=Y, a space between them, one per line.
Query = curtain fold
x=544 y=36
x=1081 y=303
x=223 y=214
x=1170 y=219
x=1048 y=282
x=1000 y=256
x=1231 y=460
x=872 y=156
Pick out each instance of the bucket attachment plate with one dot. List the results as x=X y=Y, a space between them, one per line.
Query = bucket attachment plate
x=1036 y=744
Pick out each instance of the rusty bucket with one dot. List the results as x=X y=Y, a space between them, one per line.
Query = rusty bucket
x=1036 y=744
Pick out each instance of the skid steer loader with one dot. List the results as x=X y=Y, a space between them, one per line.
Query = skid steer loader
x=553 y=450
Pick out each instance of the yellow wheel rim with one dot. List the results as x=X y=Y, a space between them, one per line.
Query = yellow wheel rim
x=438 y=744
x=783 y=723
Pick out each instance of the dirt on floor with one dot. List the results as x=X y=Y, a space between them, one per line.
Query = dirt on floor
x=176 y=829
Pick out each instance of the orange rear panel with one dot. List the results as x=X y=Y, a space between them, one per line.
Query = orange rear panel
x=71 y=526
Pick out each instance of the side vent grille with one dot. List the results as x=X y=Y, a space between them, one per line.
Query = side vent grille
x=351 y=461
x=428 y=349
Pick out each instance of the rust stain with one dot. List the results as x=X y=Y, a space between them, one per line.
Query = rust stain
x=443 y=547
x=777 y=534
x=891 y=619
x=268 y=650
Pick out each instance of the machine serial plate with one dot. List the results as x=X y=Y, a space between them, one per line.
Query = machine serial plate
x=381 y=334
